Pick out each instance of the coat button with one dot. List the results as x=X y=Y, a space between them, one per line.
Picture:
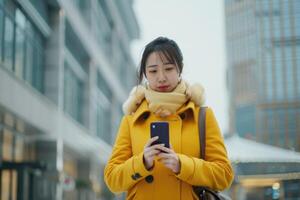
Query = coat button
x=149 y=179
x=146 y=115
x=136 y=176
x=182 y=116
x=133 y=177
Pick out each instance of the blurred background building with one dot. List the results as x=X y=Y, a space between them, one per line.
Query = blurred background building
x=65 y=69
x=263 y=76
x=263 y=54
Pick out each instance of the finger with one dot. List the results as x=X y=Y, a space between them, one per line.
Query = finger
x=165 y=149
x=148 y=144
x=156 y=146
x=171 y=167
x=163 y=160
x=152 y=153
x=169 y=162
x=149 y=150
x=164 y=155
x=168 y=165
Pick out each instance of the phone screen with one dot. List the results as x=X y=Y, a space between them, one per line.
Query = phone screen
x=160 y=129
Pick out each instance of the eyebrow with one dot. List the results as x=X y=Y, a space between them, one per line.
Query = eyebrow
x=152 y=66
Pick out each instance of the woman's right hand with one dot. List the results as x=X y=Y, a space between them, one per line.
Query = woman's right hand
x=150 y=151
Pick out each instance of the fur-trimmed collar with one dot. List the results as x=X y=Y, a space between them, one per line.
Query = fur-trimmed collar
x=194 y=92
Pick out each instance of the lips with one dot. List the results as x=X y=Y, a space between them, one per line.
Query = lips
x=163 y=87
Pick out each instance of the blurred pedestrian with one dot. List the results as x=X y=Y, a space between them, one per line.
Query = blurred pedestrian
x=147 y=170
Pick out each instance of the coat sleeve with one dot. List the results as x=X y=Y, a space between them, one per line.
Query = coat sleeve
x=215 y=171
x=123 y=170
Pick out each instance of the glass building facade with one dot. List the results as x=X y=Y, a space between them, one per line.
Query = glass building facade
x=21 y=45
x=263 y=79
x=64 y=73
x=263 y=70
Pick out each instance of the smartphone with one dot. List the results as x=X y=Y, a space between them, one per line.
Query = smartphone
x=160 y=129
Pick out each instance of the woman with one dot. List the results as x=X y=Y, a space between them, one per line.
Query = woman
x=149 y=171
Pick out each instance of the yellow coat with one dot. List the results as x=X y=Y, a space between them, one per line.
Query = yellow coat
x=125 y=170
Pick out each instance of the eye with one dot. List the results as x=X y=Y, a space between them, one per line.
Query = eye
x=152 y=71
x=169 y=68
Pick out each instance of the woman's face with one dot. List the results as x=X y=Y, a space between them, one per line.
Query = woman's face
x=161 y=75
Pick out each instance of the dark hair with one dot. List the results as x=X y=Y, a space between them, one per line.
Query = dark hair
x=165 y=47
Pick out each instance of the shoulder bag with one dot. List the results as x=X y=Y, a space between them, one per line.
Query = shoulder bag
x=205 y=193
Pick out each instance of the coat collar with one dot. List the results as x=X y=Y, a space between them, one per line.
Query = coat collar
x=144 y=111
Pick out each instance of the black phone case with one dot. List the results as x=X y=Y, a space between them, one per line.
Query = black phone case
x=160 y=129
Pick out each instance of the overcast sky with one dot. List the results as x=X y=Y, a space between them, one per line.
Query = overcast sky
x=198 y=28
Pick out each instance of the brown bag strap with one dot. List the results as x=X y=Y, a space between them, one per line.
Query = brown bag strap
x=204 y=192
x=202 y=133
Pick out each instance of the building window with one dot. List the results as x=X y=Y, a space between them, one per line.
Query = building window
x=104 y=117
x=269 y=78
x=297 y=17
x=109 y=35
x=8 y=43
x=73 y=93
x=21 y=46
x=75 y=46
x=297 y=60
x=42 y=8
x=12 y=150
x=291 y=128
x=29 y=62
x=7 y=145
x=104 y=123
x=103 y=86
x=245 y=121
x=1 y=35
x=290 y=83
x=103 y=31
x=279 y=74
x=280 y=126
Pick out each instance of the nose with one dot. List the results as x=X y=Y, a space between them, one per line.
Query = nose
x=161 y=76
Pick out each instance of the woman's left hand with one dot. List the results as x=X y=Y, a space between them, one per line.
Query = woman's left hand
x=169 y=158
